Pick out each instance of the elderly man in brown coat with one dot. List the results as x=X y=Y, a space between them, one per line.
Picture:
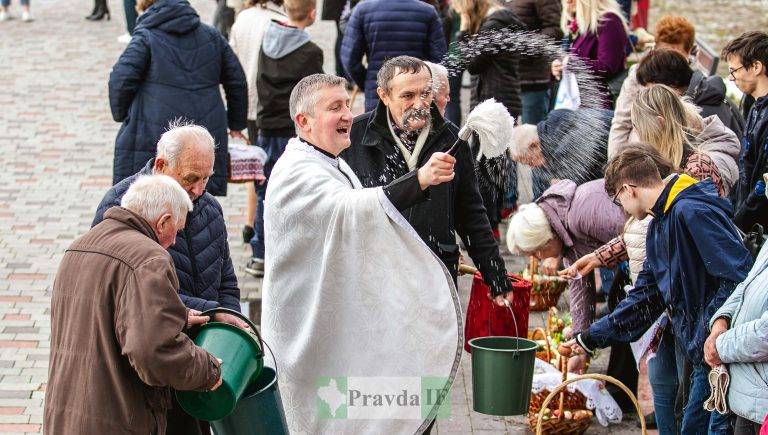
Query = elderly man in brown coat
x=117 y=340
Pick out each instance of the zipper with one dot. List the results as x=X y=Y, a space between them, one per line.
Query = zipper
x=191 y=260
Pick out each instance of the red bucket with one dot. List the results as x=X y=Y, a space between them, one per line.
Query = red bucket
x=485 y=318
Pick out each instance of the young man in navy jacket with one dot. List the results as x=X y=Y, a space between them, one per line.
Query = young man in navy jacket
x=694 y=260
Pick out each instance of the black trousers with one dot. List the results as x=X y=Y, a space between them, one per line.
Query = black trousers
x=621 y=364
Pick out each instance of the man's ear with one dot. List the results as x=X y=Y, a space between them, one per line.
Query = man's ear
x=160 y=165
x=758 y=67
x=383 y=95
x=164 y=223
x=302 y=121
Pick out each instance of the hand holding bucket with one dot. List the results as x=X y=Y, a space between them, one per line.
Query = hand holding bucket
x=241 y=353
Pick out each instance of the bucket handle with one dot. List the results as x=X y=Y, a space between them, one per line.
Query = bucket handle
x=514 y=321
x=242 y=317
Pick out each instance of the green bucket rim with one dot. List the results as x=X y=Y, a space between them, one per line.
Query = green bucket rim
x=532 y=346
x=252 y=338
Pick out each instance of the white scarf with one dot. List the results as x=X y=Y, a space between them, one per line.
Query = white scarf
x=411 y=159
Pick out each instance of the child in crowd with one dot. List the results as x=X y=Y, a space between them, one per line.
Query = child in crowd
x=287 y=56
x=682 y=273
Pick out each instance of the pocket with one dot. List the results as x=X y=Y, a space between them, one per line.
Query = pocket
x=449 y=253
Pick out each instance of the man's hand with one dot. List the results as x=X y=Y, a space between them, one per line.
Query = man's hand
x=499 y=300
x=711 y=356
x=232 y=320
x=438 y=170
x=582 y=267
x=194 y=318
x=577 y=363
x=550 y=265
x=557 y=68
x=234 y=134
x=218 y=382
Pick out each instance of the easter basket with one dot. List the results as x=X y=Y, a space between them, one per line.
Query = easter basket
x=546 y=289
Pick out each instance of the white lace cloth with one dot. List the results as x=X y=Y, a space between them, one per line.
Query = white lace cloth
x=599 y=400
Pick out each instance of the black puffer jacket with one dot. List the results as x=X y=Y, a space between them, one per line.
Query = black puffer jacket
x=201 y=253
x=454 y=207
x=709 y=94
x=543 y=17
x=497 y=75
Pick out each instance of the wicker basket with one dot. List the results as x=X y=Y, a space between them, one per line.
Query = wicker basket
x=574 y=426
x=546 y=290
x=546 y=354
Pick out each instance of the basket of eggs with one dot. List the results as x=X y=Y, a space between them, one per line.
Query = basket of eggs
x=546 y=289
x=568 y=416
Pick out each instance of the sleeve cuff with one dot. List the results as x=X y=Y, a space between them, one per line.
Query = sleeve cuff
x=586 y=342
x=405 y=192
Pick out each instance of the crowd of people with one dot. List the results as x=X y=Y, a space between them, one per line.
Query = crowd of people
x=655 y=192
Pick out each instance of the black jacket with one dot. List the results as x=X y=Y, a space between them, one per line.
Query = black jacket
x=496 y=74
x=287 y=56
x=709 y=94
x=454 y=207
x=174 y=67
x=201 y=253
x=542 y=17
x=753 y=205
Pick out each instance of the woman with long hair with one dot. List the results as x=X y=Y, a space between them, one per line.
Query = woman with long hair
x=676 y=130
x=600 y=37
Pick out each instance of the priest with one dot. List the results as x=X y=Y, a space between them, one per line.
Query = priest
x=350 y=289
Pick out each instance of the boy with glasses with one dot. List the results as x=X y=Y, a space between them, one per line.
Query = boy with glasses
x=695 y=258
x=747 y=58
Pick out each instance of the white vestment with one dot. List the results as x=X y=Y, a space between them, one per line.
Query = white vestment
x=350 y=290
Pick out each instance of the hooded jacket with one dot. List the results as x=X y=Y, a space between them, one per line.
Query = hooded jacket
x=116 y=334
x=206 y=276
x=721 y=144
x=496 y=75
x=287 y=56
x=174 y=68
x=695 y=258
x=709 y=94
x=583 y=218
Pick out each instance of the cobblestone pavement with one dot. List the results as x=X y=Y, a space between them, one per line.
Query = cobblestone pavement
x=56 y=143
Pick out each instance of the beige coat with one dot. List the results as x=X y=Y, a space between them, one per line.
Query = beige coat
x=116 y=334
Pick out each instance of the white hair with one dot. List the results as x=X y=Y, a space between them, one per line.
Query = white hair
x=522 y=137
x=179 y=136
x=151 y=196
x=529 y=229
x=439 y=75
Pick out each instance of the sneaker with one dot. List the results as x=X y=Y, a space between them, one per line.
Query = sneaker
x=255 y=267
x=4 y=16
x=248 y=234
x=26 y=17
x=124 y=38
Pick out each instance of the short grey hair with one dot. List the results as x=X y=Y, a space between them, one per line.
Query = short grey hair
x=439 y=75
x=306 y=93
x=523 y=136
x=179 y=135
x=398 y=65
x=151 y=196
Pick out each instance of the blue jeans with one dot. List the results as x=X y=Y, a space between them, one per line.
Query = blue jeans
x=453 y=109
x=664 y=374
x=274 y=147
x=696 y=420
x=535 y=106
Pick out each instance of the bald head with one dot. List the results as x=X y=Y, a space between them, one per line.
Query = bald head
x=185 y=152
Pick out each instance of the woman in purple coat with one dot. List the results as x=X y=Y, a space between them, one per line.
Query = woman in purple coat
x=600 y=38
x=564 y=222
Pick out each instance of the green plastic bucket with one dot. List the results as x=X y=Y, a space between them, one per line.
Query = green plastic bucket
x=242 y=361
x=259 y=412
x=502 y=373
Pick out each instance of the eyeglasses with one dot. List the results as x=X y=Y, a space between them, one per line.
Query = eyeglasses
x=615 y=198
x=731 y=71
